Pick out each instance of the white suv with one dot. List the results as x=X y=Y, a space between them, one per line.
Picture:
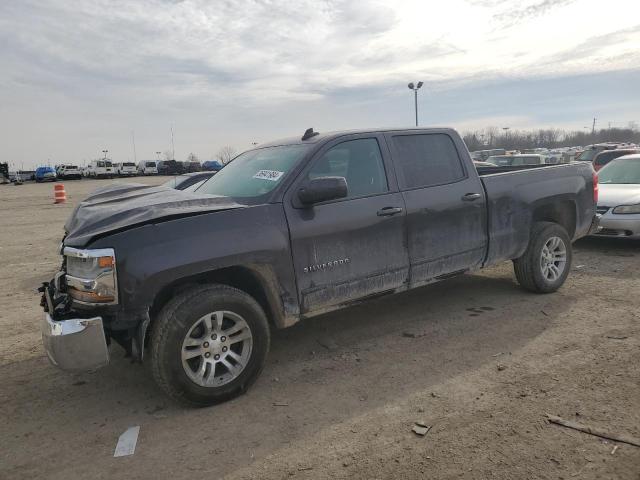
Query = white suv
x=126 y=169
x=66 y=172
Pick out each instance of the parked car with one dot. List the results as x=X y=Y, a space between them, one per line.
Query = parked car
x=67 y=172
x=188 y=181
x=126 y=169
x=212 y=165
x=45 y=174
x=191 y=167
x=605 y=156
x=148 y=167
x=590 y=151
x=293 y=229
x=101 y=168
x=482 y=155
x=517 y=160
x=478 y=163
x=170 y=167
x=619 y=198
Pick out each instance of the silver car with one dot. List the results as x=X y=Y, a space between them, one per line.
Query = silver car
x=619 y=198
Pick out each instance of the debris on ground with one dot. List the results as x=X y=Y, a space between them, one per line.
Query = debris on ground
x=497 y=354
x=127 y=442
x=544 y=313
x=501 y=367
x=421 y=428
x=412 y=334
x=594 y=431
x=328 y=343
x=614 y=449
x=614 y=337
x=280 y=404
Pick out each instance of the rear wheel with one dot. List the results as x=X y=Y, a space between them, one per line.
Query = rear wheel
x=209 y=345
x=545 y=265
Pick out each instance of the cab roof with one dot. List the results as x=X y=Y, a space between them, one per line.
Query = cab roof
x=326 y=136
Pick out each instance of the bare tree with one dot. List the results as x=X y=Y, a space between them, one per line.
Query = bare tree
x=491 y=137
x=226 y=154
x=192 y=157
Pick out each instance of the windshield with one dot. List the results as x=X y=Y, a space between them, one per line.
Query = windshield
x=254 y=173
x=100 y=164
x=622 y=170
x=128 y=164
x=150 y=164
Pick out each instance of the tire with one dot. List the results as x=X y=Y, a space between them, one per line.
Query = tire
x=530 y=267
x=182 y=323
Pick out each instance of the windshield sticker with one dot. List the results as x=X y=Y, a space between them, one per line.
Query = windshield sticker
x=272 y=175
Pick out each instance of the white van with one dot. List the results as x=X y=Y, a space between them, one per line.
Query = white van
x=126 y=169
x=148 y=167
x=102 y=168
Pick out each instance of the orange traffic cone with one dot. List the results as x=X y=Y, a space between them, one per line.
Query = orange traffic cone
x=59 y=195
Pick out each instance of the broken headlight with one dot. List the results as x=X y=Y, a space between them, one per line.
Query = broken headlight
x=91 y=275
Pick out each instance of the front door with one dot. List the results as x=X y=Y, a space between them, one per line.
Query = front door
x=353 y=247
x=446 y=205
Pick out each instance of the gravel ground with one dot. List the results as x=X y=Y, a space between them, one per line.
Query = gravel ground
x=476 y=357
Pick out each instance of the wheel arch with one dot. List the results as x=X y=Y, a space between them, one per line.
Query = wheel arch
x=562 y=212
x=257 y=281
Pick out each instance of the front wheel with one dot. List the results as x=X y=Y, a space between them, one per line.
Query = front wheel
x=209 y=344
x=545 y=265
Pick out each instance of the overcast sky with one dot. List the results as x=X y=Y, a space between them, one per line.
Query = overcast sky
x=80 y=76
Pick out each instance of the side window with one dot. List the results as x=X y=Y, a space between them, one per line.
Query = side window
x=426 y=160
x=359 y=162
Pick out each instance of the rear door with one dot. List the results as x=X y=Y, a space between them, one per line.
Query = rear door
x=445 y=202
x=353 y=247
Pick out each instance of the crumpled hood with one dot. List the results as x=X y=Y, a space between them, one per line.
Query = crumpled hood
x=119 y=206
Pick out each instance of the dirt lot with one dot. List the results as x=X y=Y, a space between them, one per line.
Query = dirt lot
x=476 y=357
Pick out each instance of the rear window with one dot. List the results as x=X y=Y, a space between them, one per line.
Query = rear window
x=128 y=164
x=427 y=160
x=150 y=164
x=71 y=167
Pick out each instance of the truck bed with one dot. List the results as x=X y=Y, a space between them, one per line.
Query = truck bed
x=518 y=196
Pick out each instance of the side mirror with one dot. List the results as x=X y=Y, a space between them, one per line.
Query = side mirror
x=322 y=189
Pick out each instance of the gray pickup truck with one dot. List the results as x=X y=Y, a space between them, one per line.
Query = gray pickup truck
x=194 y=282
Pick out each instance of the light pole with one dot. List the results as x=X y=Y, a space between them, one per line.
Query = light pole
x=506 y=135
x=415 y=89
x=105 y=153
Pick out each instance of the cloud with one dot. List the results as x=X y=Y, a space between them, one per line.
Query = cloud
x=517 y=15
x=78 y=74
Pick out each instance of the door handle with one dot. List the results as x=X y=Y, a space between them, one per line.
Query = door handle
x=388 y=211
x=470 y=197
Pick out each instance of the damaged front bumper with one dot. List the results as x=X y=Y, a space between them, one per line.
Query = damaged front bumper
x=75 y=344
x=71 y=343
